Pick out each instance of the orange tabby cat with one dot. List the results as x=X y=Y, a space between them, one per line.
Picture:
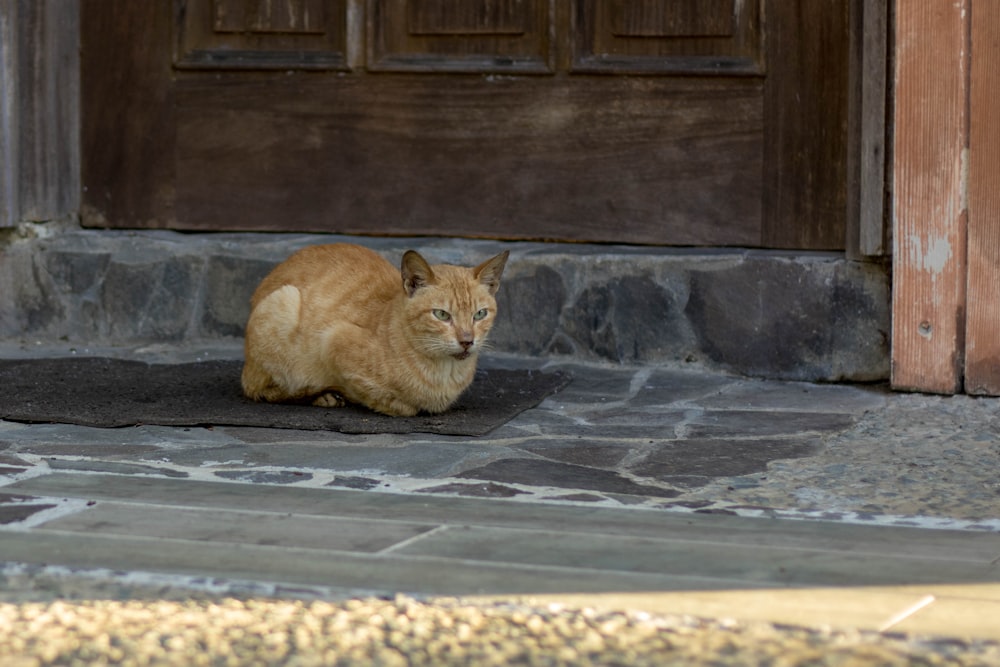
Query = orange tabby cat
x=336 y=323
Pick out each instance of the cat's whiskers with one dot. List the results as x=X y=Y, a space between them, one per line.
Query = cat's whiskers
x=434 y=345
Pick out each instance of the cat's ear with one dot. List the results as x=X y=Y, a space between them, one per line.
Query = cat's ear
x=488 y=273
x=416 y=272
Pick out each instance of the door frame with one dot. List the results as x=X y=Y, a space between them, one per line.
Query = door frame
x=946 y=197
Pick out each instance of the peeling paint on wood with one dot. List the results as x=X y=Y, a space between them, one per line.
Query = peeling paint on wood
x=929 y=207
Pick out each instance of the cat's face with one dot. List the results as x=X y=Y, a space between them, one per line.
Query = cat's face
x=450 y=309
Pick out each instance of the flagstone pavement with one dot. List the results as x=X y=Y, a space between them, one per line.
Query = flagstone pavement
x=654 y=489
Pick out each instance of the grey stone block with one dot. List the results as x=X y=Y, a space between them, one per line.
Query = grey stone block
x=266 y=476
x=354 y=482
x=528 y=310
x=487 y=490
x=75 y=272
x=17 y=513
x=539 y=472
x=697 y=461
x=627 y=319
x=229 y=284
x=795 y=320
x=806 y=316
x=113 y=467
x=30 y=301
x=150 y=301
x=578 y=451
x=737 y=423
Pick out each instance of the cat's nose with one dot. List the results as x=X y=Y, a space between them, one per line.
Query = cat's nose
x=466 y=344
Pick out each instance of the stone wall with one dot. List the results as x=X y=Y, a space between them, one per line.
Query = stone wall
x=768 y=314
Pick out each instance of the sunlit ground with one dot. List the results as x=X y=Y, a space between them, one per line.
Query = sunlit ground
x=404 y=631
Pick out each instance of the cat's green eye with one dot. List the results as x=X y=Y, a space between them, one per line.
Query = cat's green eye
x=442 y=315
x=480 y=314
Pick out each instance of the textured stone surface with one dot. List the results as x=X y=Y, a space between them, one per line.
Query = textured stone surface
x=791 y=319
x=614 y=455
x=810 y=316
x=548 y=473
x=229 y=284
x=579 y=451
x=354 y=482
x=629 y=319
x=714 y=440
x=113 y=467
x=528 y=309
x=696 y=462
x=625 y=435
x=265 y=477
x=15 y=508
x=487 y=490
x=17 y=513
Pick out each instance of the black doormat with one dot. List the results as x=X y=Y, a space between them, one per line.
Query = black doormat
x=98 y=391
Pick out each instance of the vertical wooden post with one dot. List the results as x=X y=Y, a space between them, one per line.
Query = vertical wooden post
x=929 y=203
x=10 y=204
x=39 y=111
x=982 y=360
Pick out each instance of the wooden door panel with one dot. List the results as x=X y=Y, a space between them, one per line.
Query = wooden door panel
x=659 y=161
x=654 y=18
x=461 y=17
x=505 y=36
x=640 y=121
x=261 y=34
x=677 y=37
x=264 y=16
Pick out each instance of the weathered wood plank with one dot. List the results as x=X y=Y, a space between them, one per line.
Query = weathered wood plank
x=929 y=211
x=128 y=130
x=982 y=360
x=867 y=224
x=806 y=95
x=9 y=155
x=39 y=124
x=616 y=159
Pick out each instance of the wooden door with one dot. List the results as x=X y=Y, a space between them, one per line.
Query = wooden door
x=636 y=121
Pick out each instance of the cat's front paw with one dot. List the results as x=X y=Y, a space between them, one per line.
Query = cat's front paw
x=330 y=400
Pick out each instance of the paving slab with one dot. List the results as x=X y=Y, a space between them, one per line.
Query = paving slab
x=696 y=492
x=375 y=507
x=364 y=542
x=617 y=435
